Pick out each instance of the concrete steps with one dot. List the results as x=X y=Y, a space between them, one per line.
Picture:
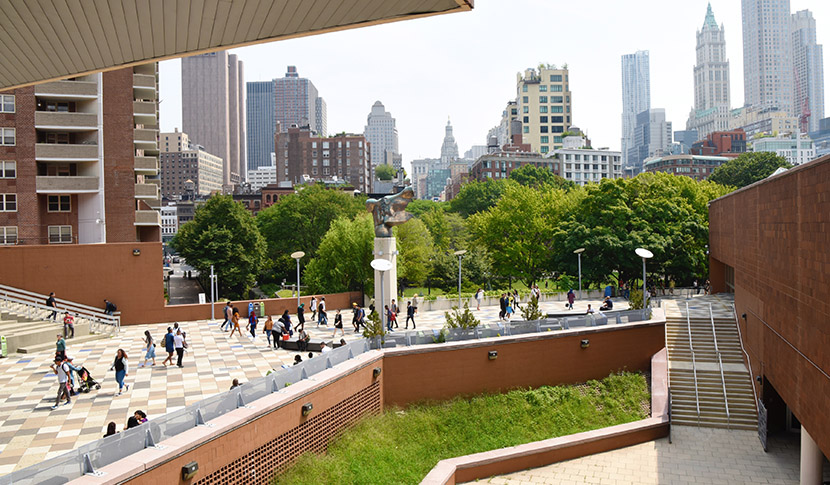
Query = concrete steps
x=27 y=336
x=70 y=344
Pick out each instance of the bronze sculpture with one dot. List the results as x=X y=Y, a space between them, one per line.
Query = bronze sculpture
x=390 y=211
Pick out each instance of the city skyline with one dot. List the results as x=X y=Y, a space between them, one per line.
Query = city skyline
x=475 y=82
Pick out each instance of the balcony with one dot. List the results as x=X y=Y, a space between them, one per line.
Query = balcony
x=144 y=110
x=147 y=165
x=55 y=152
x=147 y=218
x=45 y=120
x=146 y=138
x=146 y=191
x=144 y=82
x=65 y=185
x=68 y=90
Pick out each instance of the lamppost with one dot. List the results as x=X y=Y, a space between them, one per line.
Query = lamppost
x=645 y=254
x=578 y=253
x=459 y=254
x=381 y=266
x=298 y=255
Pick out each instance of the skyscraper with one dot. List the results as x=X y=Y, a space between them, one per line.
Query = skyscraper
x=213 y=108
x=381 y=133
x=543 y=101
x=652 y=137
x=808 y=71
x=449 y=148
x=768 y=67
x=711 y=76
x=636 y=96
x=297 y=103
x=261 y=123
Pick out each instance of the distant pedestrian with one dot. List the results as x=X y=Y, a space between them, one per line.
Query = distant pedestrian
x=338 y=324
x=228 y=313
x=301 y=316
x=410 y=315
x=298 y=359
x=508 y=311
x=140 y=416
x=286 y=321
x=502 y=306
x=302 y=340
x=132 y=422
x=68 y=325
x=169 y=346
x=277 y=332
x=479 y=296
x=109 y=307
x=589 y=310
x=61 y=369
x=51 y=303
x=179 y=344
x=415 y=303
x=60 y=347
x=390 y=316
x=355 y=313
x=234 y=384
x=122 y=370
x=149 y=348
x=314 y=308
x=322 y=316
x=268 y=326
x=394 y=309
x=571 y=299
x=695 y=287
x=706 y=287
x=324 y=348
x=252 y=321
x=607 y=304
x=235 y=323
x=111 y=429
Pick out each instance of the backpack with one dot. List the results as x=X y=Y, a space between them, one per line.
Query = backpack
x=320 y=307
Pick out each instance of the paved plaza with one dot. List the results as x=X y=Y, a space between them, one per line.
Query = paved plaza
x=31 y=432
x=696 y=455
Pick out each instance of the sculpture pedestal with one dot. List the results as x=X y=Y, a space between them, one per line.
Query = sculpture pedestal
x=386 y=248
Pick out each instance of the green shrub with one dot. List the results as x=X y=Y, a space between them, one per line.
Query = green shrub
x=531 y=312
x=635 y=299
x=464 y=320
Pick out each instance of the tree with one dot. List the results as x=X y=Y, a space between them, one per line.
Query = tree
x=475 y=197
x=223 y=233
x=342 y=261
x=415 y=249
x=299 y=221
x=385 y=172
x=748 y=168
x=420 y=206
x=447 y=229
x=533 y=176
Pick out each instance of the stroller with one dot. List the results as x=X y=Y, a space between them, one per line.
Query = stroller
x=86 y=382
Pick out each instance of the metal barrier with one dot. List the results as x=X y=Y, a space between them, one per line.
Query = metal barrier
x=31 y=305
x=97 y=454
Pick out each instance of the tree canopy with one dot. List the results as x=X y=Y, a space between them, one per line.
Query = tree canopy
x=342 y=261
x=478 y=196
x=415 y=248
x=223 y=233
x=748 y=168
x=533 y=176
x=385 y=172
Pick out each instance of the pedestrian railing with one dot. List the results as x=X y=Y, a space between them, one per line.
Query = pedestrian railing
x=95 y=455
x=31 y=305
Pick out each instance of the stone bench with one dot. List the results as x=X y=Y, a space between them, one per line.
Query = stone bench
x=314 y=345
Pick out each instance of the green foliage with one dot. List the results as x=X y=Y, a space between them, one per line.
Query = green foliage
x=373 y=326
x=448 y=231
x=748 y=168
x=299 y=221
x=475 y=197
x=403 y=445
x=475 y=268
x=415 y=248
x=420 y=206
x=635 y=299
x=533 y=176
x=385 y=172
x=463 y=320
x=342 y=260
x=223 y=233
x=530 y=311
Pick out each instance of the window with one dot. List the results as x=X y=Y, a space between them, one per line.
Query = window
x=543 y=109
x=556 y=119
x=524 y=88
x=7 y=136
x=326 y=163
x=59 y=203
x=543 y=139
x=543 y=119
x=555 y=109
x=60 y=234
x=556 y=99
x=313 y=144
x=7 y=106
x=543 y=99
x=314 y=171
x=8 y=170
x=544 y=148
x=556 y=88
x=526 y=119
x=557 y=139
x=557 y=129
x=8 y=202
x=543 y=129
x=8 y=234
x=525 y=109
x=524 y=99
x=543 y=88
x=325 y=144
x=556 y=78
x=525 y=129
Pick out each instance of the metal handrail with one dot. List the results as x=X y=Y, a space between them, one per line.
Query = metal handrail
x=670 y=426
x=694 y=364
x=41 y=297
x=748 y=362
x=11 y=295
x=720 y=364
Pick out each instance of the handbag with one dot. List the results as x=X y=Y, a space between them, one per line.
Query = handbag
x=285 y=336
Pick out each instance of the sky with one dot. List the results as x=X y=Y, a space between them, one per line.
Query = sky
x=463 y=66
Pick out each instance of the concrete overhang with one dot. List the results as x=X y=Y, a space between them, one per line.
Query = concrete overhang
x=45 y=40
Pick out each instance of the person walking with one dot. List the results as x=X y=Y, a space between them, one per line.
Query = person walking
x=235 y=323
x=122 y=370
x=149 y=348
x=60 y=347
x=286 y=322
x=278 y=332
x=179 y=344
x=338 y=324
x=68 y=326
x=252 y=321
x=355 y=313
x=415 y=302
x=51 y=303
x=390 y=316
x=322 y=316
x=479 y=296
x=410 y=315
x=508 y=311
x=61 y=369
x=228 y=313
x=268 y=326
x=301 y=316
x=313 y=308
x=502 y=306
x=394 y=309
x=571 y=298
x=169 y=341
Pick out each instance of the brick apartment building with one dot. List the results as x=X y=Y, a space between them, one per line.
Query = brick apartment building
x=79 y=160
x=182 y=161
x=302 y=155
x=722 y=143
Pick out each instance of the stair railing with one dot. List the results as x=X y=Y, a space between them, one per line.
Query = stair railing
x=34 y=307
x=694 y=364
x=720 y=365
x=748 y=362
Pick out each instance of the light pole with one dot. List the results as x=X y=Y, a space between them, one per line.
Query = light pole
x=298 y=255
x=578 y=253
x=214 y=291
x=459 y=254
x=645 y=254
x=381 y=266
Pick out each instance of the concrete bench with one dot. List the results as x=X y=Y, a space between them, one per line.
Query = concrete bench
x=314 y=345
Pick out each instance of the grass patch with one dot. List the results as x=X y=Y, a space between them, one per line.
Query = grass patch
x=403 y=445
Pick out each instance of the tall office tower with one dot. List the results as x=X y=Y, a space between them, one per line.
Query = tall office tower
x=768 y=67
x=79 y=160
x=449 y=148
x=261 y=123
x=808 y=64
x=543 y=99
x=297 y=102
x=636 y=96
x=213 y=101
x=381 y=133
x=711 y=74
x=652 y=137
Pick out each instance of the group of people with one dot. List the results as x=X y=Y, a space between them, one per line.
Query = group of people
x=138 y=418
x=392 y=312
x=508 y=303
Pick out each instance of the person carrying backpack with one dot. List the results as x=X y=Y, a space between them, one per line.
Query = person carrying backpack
x=321 y=312
x=110 y=307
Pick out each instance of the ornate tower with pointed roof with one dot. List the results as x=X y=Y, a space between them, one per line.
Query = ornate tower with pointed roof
x=711 y=75
x=449 y=149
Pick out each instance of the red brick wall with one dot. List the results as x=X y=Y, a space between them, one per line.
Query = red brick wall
x=776 y=235
x=27 y=217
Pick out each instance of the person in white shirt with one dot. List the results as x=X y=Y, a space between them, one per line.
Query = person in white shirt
x=324 y=348
x=178 y=344
x=62 y=370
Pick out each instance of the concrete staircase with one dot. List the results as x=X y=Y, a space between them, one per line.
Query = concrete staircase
x=707 y=391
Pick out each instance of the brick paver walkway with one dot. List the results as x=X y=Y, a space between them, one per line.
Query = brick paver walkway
x=31 y=432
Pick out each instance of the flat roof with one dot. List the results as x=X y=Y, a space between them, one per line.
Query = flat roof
x=56 y=39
